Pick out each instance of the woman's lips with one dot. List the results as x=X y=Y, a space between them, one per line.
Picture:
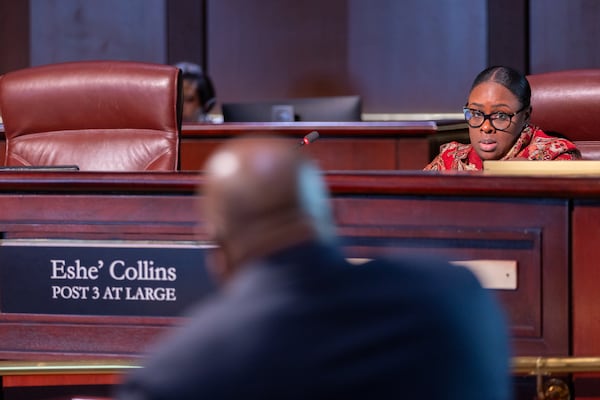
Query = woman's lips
x=488 y=145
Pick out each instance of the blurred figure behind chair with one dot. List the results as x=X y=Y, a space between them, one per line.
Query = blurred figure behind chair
x=199 y=95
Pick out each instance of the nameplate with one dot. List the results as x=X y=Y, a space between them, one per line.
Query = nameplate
x=115 y=278
x=493 y=274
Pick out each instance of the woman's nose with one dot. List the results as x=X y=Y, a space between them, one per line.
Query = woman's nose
x=487 y=126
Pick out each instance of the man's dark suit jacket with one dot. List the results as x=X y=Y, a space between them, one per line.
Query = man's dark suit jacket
x=305 y=324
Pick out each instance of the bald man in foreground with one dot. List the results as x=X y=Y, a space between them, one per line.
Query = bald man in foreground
x=294 y=320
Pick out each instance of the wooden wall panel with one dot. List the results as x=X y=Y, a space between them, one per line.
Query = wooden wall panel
x=507 y=33
x=70 y=30
x=267 y=49
x=564 y=34
x=400 y=56
x=186 y=39
x=14 y=35
x=415 y=56
x=408 y=56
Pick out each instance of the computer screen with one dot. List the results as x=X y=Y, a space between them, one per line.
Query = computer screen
x=333 y=108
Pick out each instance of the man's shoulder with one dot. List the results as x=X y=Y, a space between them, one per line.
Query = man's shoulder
x=420 y=267
x=422 y=279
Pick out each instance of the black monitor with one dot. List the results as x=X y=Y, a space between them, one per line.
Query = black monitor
x=311 y=109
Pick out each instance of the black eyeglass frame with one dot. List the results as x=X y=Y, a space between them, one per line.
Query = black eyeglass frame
x=489 y=117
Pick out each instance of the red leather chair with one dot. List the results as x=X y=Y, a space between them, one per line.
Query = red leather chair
x=568 y=103
x=97 y=115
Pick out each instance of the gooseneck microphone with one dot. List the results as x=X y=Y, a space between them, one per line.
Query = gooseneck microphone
x=308 y=139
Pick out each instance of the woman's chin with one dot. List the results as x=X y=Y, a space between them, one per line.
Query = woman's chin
x=488 y=155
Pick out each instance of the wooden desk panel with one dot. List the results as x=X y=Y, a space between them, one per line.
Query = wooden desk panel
x=479 y=229
x=586 y=278
x=74 y=205
x=586 y=292
x=464 y=216
x=95 y=216
x=460 y=216
x=332 y=153
x=61 y=380
x=341 y=146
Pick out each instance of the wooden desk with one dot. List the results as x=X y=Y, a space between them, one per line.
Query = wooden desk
x=342 y=146
x=549 y=225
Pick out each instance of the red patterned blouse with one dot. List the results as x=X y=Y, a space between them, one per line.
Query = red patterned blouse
x=532 y=144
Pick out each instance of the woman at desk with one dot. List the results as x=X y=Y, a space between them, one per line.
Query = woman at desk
x=199 y=95
x=497 y=112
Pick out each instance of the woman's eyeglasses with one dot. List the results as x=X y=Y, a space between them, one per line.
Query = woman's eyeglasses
x=499 y=120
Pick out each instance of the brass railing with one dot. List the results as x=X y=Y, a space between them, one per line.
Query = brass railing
x=15 y=368
x=554 y=365
x=544 y=367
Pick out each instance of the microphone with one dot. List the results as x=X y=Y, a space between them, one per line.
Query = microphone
x=308 y=139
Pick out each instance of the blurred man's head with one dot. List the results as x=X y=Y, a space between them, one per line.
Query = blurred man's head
x=262 y=195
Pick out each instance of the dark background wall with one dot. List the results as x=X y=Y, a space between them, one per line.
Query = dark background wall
x=410 y=56
x=388 y=51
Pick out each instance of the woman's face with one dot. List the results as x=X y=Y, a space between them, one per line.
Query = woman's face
x=488 y=98
x=191 y=103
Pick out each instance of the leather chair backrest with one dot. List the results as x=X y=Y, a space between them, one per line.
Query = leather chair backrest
x=0 y=105
x=98 y=115
x=568 y=102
